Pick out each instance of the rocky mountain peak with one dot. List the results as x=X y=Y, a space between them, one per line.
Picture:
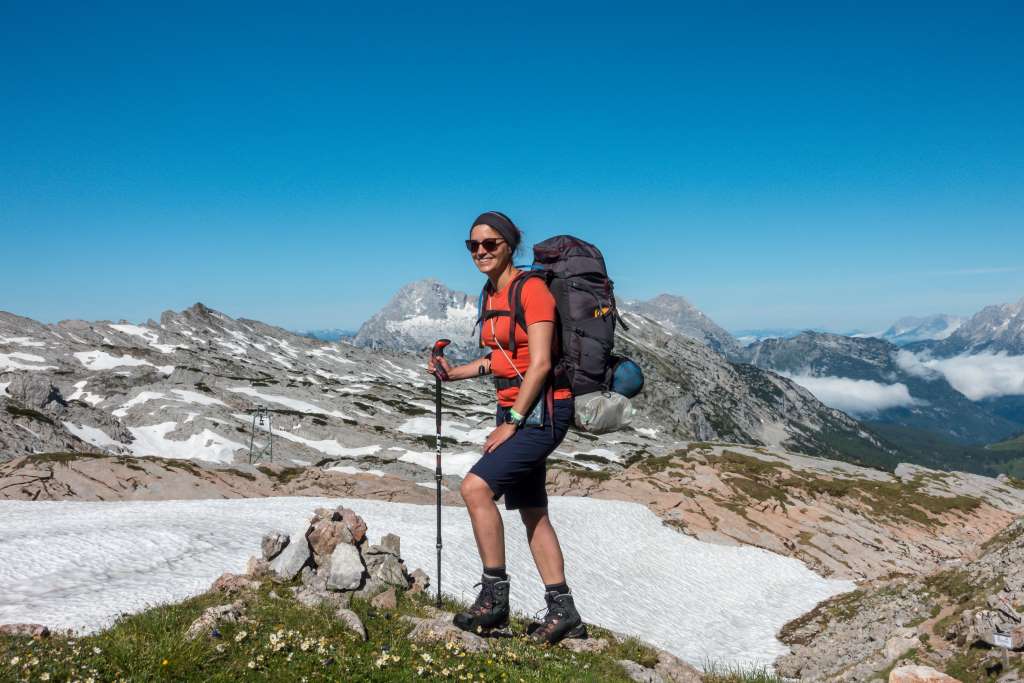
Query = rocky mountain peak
x=681 y=316
x=419 y=313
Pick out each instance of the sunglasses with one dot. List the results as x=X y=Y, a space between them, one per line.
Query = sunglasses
x=489 y=244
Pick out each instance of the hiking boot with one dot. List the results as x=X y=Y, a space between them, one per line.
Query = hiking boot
x=561 y=621
x=489 y=611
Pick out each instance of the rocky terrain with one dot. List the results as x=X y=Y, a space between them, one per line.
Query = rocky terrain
x=186 y=387
x=964 y=619
x=92 y=476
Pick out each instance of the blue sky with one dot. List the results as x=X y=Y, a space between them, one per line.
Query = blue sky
x=788 y=166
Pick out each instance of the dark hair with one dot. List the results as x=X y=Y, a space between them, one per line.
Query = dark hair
x=504 y=225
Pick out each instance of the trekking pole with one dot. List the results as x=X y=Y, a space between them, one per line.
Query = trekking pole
x=440 y=375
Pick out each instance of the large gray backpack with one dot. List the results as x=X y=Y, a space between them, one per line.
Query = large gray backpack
x=575 y=272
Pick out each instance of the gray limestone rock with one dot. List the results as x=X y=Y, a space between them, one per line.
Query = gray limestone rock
x=346 y=569
x=352 y=621
x=287 y=565
x=639 y=673
x=273 y=543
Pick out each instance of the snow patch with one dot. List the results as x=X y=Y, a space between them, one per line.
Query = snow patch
x=12 y=361
x=22 y=341
x=458 y=464
x=82 y=395
x=79 y=564
x=151 y=337
x=349 y=469
x=197 y=398
x=288 y=402
x=142 y=397
x=426 y=426
x=101 y=360
x=97 y=437
x=206 y=445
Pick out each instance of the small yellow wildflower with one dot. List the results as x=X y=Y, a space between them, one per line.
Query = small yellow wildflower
x=164 y=663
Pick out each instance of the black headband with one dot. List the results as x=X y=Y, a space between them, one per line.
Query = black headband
x=500 y=222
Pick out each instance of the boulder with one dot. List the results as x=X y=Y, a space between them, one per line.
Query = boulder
x=355 y=524
x=351 y=620
x=420 y=581
x=292 y=559
x=29 y=630
x=311 y=597
x=579 y=645
x=919 y=674
x=325 y=536
x=390 y=571
x=345 y=568
x=273 y=543
x=257 y=568
x=640 y=673
x=371 y=589
x=316 y=580
x=234 y=583
x=212 y=617
x=673 y=669
x=386 y=600
x=903 y=640
x=442 y=630
x=392 y=543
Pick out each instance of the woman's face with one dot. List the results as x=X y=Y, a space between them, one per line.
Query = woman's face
x=490 y=262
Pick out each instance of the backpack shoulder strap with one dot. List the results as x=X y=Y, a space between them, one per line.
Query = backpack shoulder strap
x=515 y=304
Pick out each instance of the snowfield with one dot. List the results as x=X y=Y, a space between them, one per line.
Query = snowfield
x=78 y=565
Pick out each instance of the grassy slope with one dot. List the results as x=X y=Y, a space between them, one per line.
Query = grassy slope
x=286 y=641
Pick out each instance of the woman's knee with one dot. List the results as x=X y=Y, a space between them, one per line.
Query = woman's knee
x=475 y=490
x=532 y=517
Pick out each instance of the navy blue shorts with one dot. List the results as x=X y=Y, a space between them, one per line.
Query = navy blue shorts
x=517 y=468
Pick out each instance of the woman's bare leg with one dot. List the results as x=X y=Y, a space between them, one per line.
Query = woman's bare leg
x=487 y=525
x=547 y=553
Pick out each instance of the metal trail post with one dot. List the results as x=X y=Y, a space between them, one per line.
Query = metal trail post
x=439 y=375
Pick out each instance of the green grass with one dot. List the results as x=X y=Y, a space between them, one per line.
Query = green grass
x=1015 y=443
x=282 y=476
x=763 y=480
x=62 y=458
x=580 y=471
x=717 y=673
x=285 y=641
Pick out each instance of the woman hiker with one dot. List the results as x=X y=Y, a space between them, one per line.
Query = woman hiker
x=515 y=453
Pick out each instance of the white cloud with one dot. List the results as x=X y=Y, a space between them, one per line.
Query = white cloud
x=855 y=396
x=983 y=375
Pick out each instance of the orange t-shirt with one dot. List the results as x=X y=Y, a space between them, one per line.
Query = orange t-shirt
x=538 y=306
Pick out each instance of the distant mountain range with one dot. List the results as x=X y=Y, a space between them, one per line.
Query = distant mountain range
x=928 y=401
x=993 y=329
x=865 y=374
x=327 y=335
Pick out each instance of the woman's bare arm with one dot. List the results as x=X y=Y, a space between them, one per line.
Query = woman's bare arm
x=539 y=337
